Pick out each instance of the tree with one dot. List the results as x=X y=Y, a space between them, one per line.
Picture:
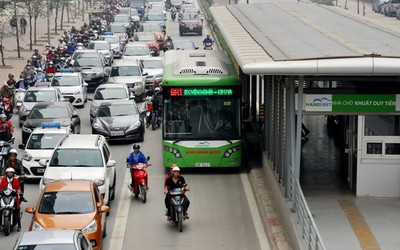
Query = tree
x=39 y=9
x=57 y=2
x=4 y=33
x=15 y=10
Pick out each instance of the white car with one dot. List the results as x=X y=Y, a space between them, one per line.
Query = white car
x=154 y=67
x=115 y=44
x=85 y=157
x=137 y=50
x=40 y=145
x=103 y=48
x=72 y=87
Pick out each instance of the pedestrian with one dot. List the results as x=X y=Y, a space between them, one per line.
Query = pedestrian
x=13 y=24
x=23 y=24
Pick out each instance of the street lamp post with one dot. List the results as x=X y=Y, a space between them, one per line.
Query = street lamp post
x=48 y=22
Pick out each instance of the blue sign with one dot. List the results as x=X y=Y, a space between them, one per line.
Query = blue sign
x=51 y=125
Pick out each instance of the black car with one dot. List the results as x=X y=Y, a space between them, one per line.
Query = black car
x=119 y=120
x=93 y=68
x=62 y=112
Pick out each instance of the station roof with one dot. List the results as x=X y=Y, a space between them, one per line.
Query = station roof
x=285 y=36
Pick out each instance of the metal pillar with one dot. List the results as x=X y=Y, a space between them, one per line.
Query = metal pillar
x=290 y=135
x=253 y=98
x=298 y=127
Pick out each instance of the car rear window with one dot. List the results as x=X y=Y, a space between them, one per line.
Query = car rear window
x=76 y=157
x=66 y=202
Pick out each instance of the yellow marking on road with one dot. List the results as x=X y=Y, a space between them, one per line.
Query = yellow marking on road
x=360 y=227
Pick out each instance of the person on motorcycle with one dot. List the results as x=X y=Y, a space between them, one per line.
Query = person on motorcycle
x=46 y=49
x=37 y=54
x=5 y=134
x=21 y=84
x=51 y=55
x=16 y=164
x=28 y=72
x=3 y=120
x=169 y=174
x=208 y=40
x=169 y=40
x=173 y=12
x=51 y=69
x=135 y=157
x=35 y=62
x=10 y=182
x=11 y=81
x=176 y=181
x=40 y=76
x=5 y=91
x=71 y=47
x=62 y=64
x=61 y=43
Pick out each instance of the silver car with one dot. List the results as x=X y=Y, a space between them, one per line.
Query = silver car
x=53 y=239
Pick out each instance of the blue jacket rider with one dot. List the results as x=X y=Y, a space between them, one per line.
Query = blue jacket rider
x=208 y=40
x=135 y=157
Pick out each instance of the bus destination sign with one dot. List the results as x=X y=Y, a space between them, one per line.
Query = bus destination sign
x=177 y=92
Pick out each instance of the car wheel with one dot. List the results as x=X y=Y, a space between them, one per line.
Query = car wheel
x=201 y=33
x=104 y=230
x=181 y=33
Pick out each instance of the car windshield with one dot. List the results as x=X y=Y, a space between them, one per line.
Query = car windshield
x=110 y=94
x=40 y=96
x=99 y=46
x=117 y=110
x=66 y=202
x=110 y=39
x=55 y=112
x=202 y=118
x=190 y=16
x=125 y=71
x=151 y=64
x=155 y=18
x=118 y=29
x=65 y=80
x=88 y=62
x=151 y=28
x=44 y=141
x=76 y=157
x=121 y=19
x=184 y=45
x=137 y=51
x=145 y=37
x=47 y=247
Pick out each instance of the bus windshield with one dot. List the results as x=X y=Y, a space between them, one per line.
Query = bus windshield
x=202 y=118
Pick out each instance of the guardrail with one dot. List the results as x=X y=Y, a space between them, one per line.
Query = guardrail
x=305 y=220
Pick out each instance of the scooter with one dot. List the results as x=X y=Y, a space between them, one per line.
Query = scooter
x=155 y=119
x=4 y=149
x=208 y=46
x=173 y=15
x=8 y=216
x=176 y=210
x=140 y=178
x=7 y=107
x=19 y=98
x=149 y=111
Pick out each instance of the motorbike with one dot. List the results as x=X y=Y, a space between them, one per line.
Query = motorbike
x=208 y=46
x=155 y=119
x=140 y=180
x=176 y=210
x=4 y=149
x=149 y=105
x=8 y=213
x=19 y=97
x=6 y=103
x=173 y=15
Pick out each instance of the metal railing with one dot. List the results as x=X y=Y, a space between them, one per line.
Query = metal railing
x=305 y=220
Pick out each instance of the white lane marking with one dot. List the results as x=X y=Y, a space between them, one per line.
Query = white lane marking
x=121 y=220
x=261 y=235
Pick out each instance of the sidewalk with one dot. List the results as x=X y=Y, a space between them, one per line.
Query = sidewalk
x=14 y=64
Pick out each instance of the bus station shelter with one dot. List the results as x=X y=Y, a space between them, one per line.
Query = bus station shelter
x=299 y=59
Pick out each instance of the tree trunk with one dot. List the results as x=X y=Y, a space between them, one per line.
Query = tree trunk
x=34 y=31
x=30 y=32
x=62 y=15
x=2 y=53
x=55 y=19
x=68 y=9
x=16 y=27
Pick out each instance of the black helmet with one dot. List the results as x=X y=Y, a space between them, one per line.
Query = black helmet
x=136 y=146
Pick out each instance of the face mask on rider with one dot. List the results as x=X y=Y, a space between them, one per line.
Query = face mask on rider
x=10 y=175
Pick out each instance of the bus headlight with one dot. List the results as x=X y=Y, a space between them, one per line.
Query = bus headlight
x=230 y=151
x=173 y=151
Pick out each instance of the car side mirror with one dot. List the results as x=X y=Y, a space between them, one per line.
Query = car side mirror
x=21 y=146
x=75 y=115
x=111 y=163
x=30 y=210
x=104 y=209
x=145 y=74
x=85 y=84
x=196 y=48
x=43 y=162
x=148 y=158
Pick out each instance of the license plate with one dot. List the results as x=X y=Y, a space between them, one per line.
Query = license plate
x=117 y=133
x=190 y=28
x=203 y=164
x=40 y=170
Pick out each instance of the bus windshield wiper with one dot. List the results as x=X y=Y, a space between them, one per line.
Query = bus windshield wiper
x=223 y=137
x=176 y=141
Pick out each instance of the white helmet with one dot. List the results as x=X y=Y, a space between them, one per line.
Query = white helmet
x=157 y=89
x=13 y=151
x=176 y=168
x=8 y=170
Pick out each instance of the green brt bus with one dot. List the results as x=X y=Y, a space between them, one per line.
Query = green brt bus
x=201 y=110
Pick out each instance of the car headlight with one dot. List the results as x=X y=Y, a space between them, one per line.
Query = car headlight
x=47 y=181
x=78 y=92
x=99 y=182
x=96 y=125
x=36 y=227
x=134 y=126
x=27 y=156
x=26 y=129
x=92 y=227
x=138 y=84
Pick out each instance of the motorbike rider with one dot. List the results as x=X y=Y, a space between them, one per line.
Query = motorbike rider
x=5 y=134
x=40 y=76
x=37 y=54
x=62 y=64
x=208 y=40
x=3 y=120
x=16 y=164
x=11 y=81
x=28 y=72
x=10 y=182
x=50 y=69
x=169 y=40
x=169 y=174
x=176 y=181
x=46 y=49
x=71 y=47
x=7 y=92
x=21 y=84
x=173 y=12
x=135 y=157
